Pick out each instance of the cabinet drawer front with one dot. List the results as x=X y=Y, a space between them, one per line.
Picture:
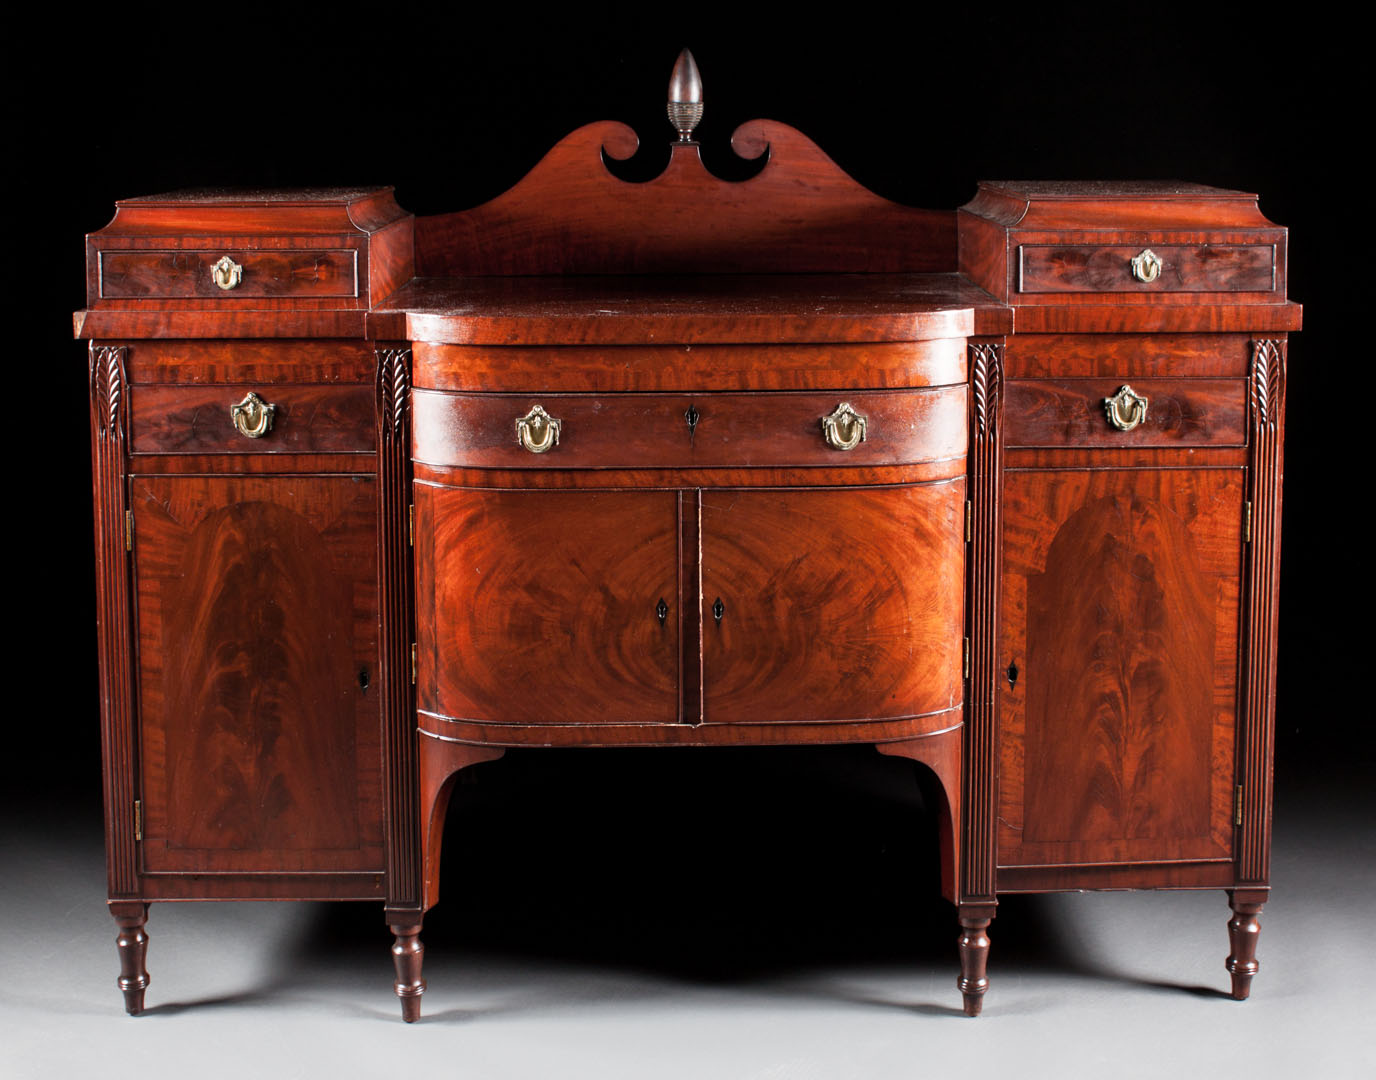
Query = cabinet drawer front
x=138 y=275
x=1182 y=268
x=654 y=430
x=304 y=419
x=1074 y=412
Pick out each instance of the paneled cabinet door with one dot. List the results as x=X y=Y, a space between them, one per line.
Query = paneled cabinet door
x=548 y=607
x=832 y=604
x=259 y=731
x=1119 y=646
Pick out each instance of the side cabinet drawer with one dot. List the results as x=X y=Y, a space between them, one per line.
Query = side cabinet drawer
x=1167 y=412
x=284 y=419
x=243 y=275
x=1193 y=268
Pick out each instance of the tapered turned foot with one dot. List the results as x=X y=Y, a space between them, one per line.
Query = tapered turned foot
x=974 y=955
x=1243 y=931
x=133 y=950
x=407 y=955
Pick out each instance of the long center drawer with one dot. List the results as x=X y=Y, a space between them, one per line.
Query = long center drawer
x=712 y=430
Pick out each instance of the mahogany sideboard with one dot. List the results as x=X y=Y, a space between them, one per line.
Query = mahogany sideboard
x=686 y=463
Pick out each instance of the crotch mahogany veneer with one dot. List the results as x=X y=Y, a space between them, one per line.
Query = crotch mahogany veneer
x=686 y=463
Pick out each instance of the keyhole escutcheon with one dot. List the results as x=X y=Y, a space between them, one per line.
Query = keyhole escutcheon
x=661 y=611
x=1012 y=675
x=718 y=610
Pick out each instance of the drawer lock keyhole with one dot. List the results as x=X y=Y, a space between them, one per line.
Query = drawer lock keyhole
x=1012 y=675
x=661 y=611
x=718 y=610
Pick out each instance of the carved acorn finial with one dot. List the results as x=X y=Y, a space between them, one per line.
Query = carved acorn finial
x=685 y=96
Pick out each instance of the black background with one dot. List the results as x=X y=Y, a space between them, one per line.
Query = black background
x=453 y=108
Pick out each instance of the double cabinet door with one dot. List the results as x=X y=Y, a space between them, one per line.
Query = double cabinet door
x=704 y=605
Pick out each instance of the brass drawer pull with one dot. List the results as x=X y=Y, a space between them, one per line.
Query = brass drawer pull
x=1125 y=409
x=844 y=429
x=253 y=416
x=1146 y=267
x=537 y=431
x=227 y=273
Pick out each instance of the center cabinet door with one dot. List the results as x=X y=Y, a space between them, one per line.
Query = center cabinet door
x=832 y=604
x=548 y=607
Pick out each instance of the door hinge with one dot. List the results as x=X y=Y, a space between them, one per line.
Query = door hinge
x=969 y=521
x=128 y=530
x=1247 y=522
x=1237 y=805
x=413 y=663
x=967 y=657
x=411 y=524
x=138 y=819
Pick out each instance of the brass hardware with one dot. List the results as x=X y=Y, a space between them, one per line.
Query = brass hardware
x=1146 y=267
x=1247 y=521
x=844 y=429
x=413 y=663
x=227 y=273
x=537 y=431
x=718 y=610
x=411 y=524
x=138 y=819
x=967 y=658
x=692 y=416
x=969 y=526
x=1237 y=805
x=128 y=530
x=1125 y=409
x=685 y=96
x=661 y=611
x=253 y=416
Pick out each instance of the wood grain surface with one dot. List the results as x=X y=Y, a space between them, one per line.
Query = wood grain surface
x=696 y=368
x=540 y=607
x=1047 y=268
x=1120 y=611
x=196 y=419
x=799 y=214
x=151 y=275
x=257 y=636
x=1180 y=412
x=903 y=427
x=838 y=604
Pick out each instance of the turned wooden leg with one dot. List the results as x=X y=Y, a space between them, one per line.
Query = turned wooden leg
x=974 y=955
x=133 y=949
x=1243 y=930
x=408 y=954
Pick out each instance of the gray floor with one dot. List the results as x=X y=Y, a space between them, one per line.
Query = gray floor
x=1107 y=985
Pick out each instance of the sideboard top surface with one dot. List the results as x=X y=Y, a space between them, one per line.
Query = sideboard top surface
x=624 y=310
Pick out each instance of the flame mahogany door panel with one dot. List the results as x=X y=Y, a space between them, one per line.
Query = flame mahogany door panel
x=259 y=723
x=543 y=607
x=1119 y=692
x=833 y=604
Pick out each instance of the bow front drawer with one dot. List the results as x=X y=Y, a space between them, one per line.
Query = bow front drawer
x=216 y=274
x=1139 y=268
x=572 y=431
